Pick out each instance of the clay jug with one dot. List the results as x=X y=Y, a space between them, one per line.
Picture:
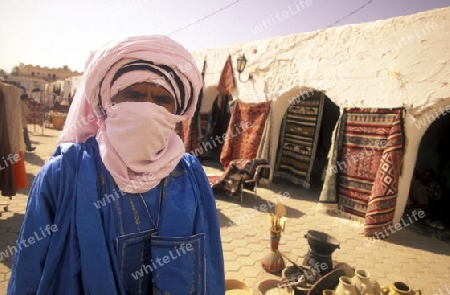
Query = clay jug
x=273 y=261
x=365 y=284
x=346 y=286
x=399 y=288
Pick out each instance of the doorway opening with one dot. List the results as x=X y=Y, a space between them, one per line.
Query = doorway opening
x=430 y=186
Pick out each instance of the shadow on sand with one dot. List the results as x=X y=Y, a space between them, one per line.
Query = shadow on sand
x=224 y=221
x=257 y=203
x=419 y=236
x=34 y=159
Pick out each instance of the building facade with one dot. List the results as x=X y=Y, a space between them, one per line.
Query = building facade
x=403 y=62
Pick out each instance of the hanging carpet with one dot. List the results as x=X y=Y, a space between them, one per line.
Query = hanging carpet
x=369 y=165
x=189 y=129
x=299 y=136
x=244 y=132
x=226 y=81
x=189 y=133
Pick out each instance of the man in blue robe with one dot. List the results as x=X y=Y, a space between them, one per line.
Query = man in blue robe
x=120 y=208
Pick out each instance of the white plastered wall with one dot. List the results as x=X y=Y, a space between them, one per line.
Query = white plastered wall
x=399 y=62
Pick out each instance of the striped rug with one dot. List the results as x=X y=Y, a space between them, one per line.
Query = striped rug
x=369 y=165
x=299 y=136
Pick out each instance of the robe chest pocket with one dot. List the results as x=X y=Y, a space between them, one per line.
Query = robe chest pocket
x=179 y=265
x=152 y=264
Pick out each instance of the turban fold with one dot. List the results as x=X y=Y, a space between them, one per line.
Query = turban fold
x=122 y=63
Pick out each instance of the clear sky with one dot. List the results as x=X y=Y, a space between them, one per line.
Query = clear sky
x=63 y=32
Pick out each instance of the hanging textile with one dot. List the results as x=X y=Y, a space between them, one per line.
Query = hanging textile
x=264 y=148
x=226 y=82
x=14 y=165
x=329 y=192
x=189 y=129
x=381 y=206
x=244 y=132
x=299 y=136
x=7 y=180
x=220 y=112
x=13 y=116
x=36 y=113
x=368 y=167
x=189 y=133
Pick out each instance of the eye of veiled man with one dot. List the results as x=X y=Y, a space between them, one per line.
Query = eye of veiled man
x=147 y=92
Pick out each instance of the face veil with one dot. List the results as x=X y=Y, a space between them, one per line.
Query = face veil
x=114 y=67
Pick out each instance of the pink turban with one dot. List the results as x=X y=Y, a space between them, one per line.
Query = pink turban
x=164 y=61
x=114 y=67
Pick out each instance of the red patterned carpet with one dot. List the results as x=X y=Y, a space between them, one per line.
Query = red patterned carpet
x=244 y=131
x=369 y=165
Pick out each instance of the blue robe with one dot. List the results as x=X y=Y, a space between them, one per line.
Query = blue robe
x=91 y=238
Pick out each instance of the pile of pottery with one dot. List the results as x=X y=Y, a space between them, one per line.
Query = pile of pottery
x=317 y=275
x=304 y=280
x=299 y=279
x=342 y=280
x=363 y=284
x=317 y=264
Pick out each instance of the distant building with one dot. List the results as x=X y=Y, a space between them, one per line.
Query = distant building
x=35 y=80
x=45 y=73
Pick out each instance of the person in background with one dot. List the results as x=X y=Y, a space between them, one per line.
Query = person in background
x=123 y=208
x=25 y=112
x=425 y=194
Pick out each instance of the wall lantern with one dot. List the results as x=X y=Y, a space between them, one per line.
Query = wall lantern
x=241 y=63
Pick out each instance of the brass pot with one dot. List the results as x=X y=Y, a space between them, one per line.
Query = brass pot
x=400 y=288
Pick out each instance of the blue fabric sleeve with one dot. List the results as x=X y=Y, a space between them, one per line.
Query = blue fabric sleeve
x=37 y=231
x=208 y=222
x=74 y=258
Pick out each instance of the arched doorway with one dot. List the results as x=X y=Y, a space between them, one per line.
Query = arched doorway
x=305 y=139
x=431 y=178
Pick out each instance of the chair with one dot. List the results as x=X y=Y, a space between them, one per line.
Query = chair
x=245 y=175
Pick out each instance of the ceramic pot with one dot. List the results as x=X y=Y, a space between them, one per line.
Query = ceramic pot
x=328 y=292
x=272 y=287
x=273 y=261
x=321 y=248
x=346 y=286
x=321 y=243
x=236 y=287
x=365 y=284
x=297 y=273
x=400 y=288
